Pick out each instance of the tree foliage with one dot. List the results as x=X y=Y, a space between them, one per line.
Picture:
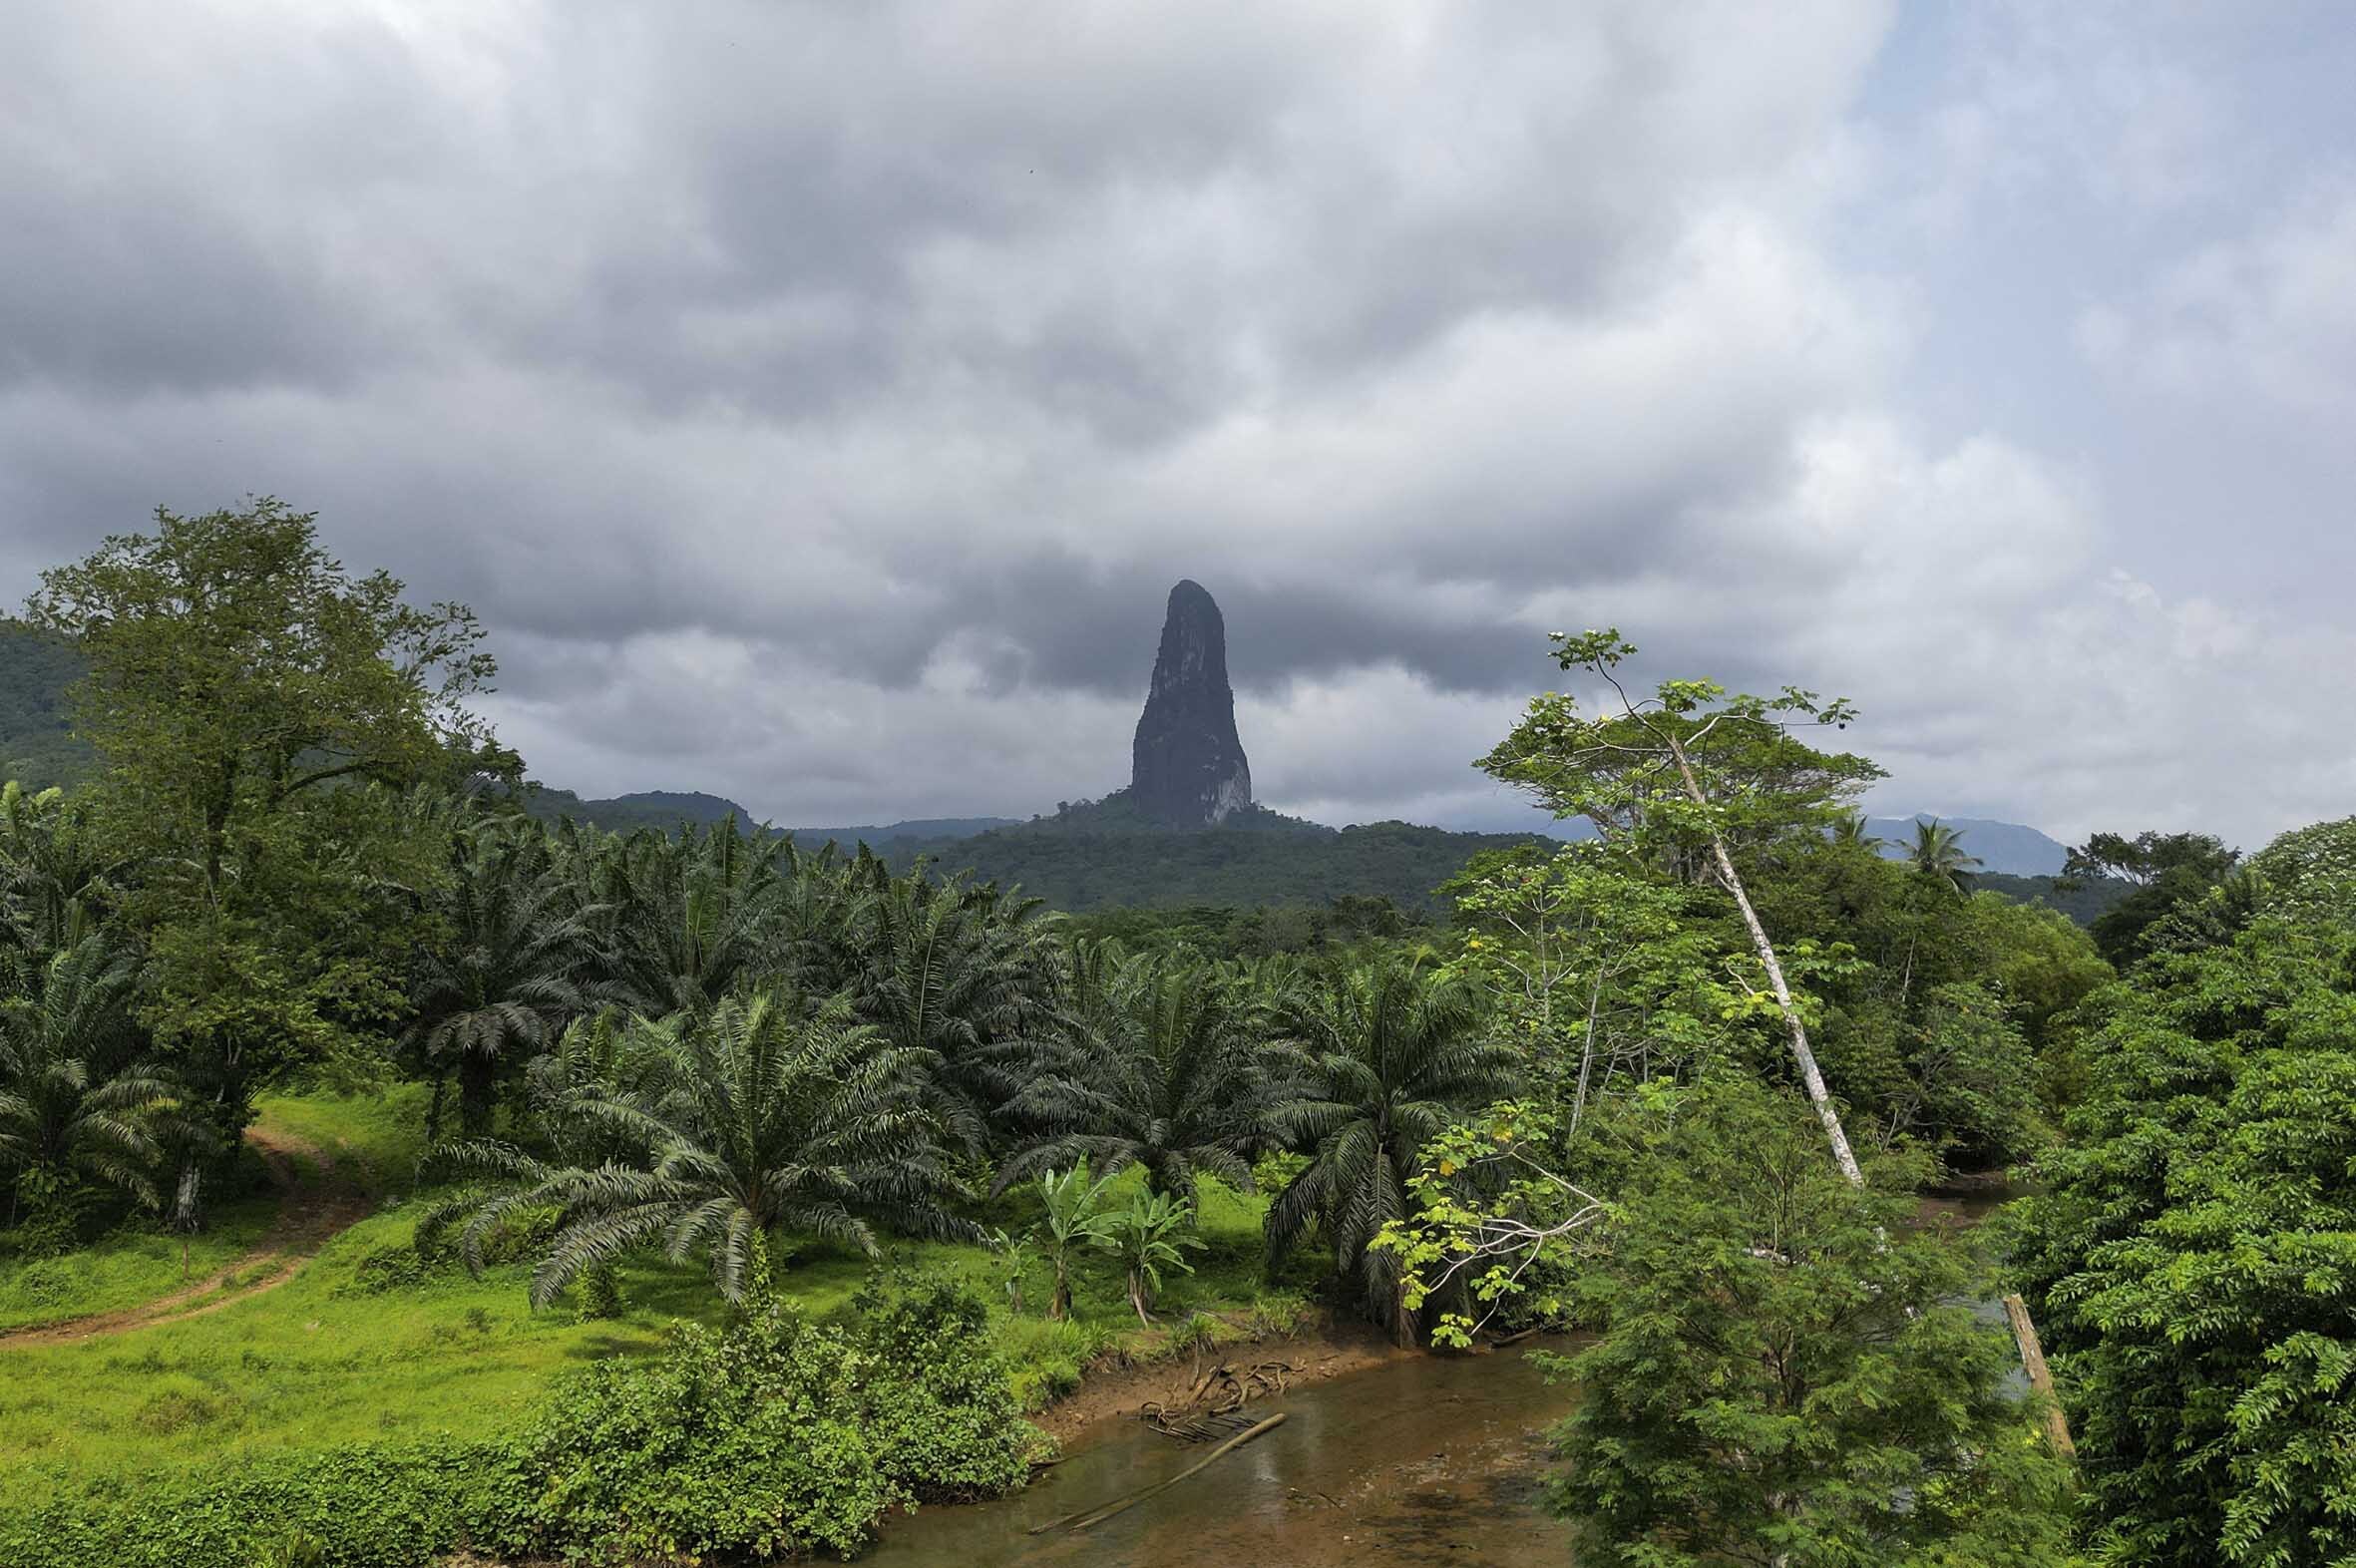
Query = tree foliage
x=1785 y=1379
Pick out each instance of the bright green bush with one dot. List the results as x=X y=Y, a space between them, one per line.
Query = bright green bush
x=367 y=1507
x=773 y=1439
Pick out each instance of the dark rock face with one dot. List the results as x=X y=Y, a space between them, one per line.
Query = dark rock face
x=1187 y=764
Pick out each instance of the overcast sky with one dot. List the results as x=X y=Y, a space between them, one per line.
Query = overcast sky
x=818 y=401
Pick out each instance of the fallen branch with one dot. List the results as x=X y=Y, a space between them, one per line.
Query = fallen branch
x=1088 y=1516
x=2040 y=1378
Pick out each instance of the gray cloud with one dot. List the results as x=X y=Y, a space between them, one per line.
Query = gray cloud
x=819 y=401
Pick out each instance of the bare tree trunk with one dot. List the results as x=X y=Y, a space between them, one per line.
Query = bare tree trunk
x=1800 y=1053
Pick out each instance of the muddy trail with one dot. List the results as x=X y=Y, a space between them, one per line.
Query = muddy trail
x=314 y=1206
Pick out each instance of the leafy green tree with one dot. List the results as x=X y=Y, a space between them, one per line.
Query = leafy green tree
x=1152 y=1234
x=1785 y=1377
x=255 y=708
x=767 y=1122
x=1596 y=978
x=1074 y=1218
x=2193 y=1254
x=1687 y=778
x=502 y=974
x=1387 y=1054
x=2164 y=868
x=2310 y=872
x=1160 y=1066
x=75 y=1106
x=1937 y=853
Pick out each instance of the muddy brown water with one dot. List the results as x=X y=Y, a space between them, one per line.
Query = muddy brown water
x=1438 y=1459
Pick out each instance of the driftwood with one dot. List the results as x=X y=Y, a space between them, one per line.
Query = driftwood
x=1515 y=1338
x=2040 y=1378
x=1104 y=1512
x=1220 y=1390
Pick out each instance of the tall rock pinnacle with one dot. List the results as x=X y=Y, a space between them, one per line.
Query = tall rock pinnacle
x=1187 y=765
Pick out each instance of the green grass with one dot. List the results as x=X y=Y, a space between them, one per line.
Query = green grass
x=138 y=1263
x=374 y=1139
x=320 y=1360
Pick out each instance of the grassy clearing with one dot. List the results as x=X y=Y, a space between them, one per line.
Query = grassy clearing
x=138 y=1263
x=322 y=1361
x=374 y=1141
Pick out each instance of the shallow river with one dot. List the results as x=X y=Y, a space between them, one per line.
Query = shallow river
x=1435 y=1459
x=1439 y=1459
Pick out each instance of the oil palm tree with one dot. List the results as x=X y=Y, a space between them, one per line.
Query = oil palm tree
x=52 y=878
x=1159 y=1065
x=768 y=1121
x=74 y=1104
x=1850 y=830
x=506 y=977
x=1937 y=851
x=1386 y=1055
x=957 y=974
x=695 y=917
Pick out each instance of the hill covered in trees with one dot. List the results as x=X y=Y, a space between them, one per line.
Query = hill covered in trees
x=1080 y=870
x=37 y=743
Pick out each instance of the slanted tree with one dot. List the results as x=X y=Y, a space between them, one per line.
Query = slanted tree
x=255 y=708
x=1687 y=778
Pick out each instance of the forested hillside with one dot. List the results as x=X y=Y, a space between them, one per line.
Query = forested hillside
x=1227 y=865
x=37 y=743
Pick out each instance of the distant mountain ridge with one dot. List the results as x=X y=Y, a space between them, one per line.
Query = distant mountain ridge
x=2007 y=848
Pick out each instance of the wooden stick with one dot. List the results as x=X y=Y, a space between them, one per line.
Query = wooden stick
x=2040 y=1378
x=1088 y=1516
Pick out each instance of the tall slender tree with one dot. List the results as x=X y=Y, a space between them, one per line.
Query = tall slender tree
x=1690 y=777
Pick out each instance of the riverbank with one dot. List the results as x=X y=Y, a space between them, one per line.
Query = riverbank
x=1316 y=1346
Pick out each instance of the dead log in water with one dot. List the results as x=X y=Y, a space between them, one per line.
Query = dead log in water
x=1104 y=1512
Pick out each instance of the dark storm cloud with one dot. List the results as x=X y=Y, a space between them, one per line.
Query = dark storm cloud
x=799 y=388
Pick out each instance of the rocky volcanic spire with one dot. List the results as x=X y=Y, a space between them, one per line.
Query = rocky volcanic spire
x=1188 y=766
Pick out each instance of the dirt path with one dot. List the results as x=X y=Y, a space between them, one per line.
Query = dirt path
x=309 y=1214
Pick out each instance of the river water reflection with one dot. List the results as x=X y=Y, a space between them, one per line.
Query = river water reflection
x=1439 y=1459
